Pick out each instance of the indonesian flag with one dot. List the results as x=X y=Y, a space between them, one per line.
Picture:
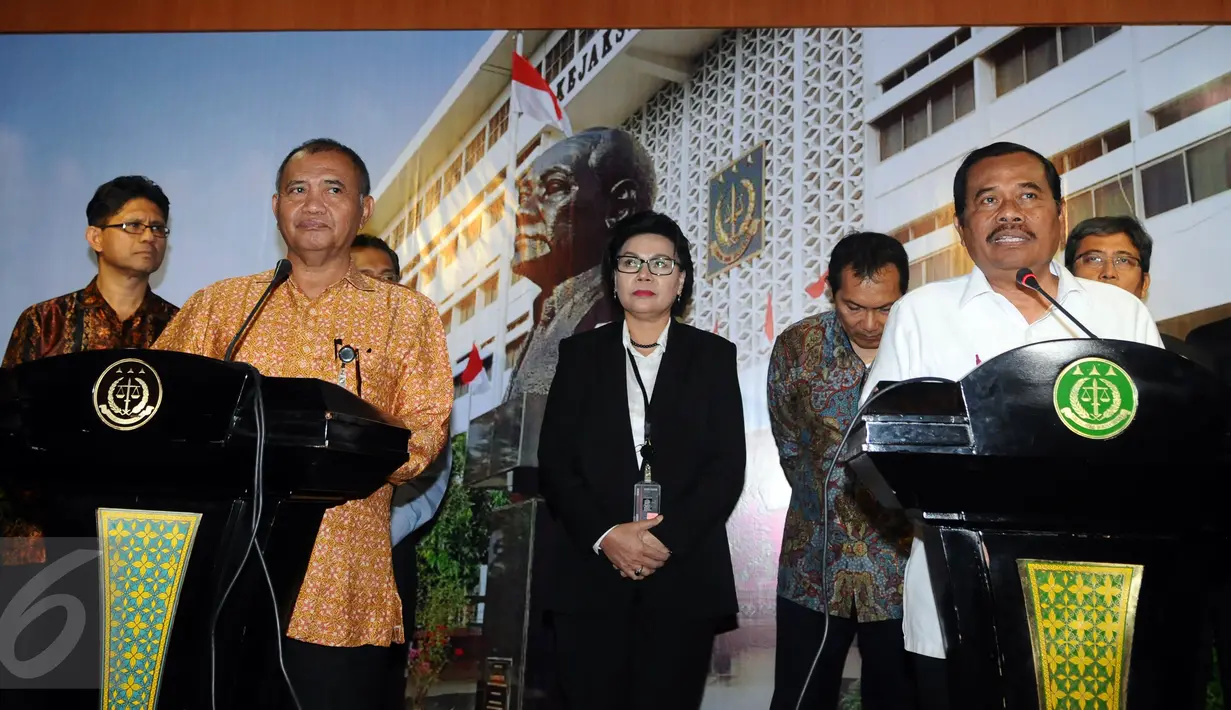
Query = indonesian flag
x=474 y=374
x=769 y=317
x=533 y=97
x=817 y=288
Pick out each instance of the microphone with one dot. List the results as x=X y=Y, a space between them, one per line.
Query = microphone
x=282 y=272
x=1026 y=278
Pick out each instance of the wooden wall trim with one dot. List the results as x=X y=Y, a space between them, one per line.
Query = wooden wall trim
x=25 y=16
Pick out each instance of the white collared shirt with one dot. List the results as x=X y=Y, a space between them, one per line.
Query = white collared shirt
x=948 y=328
x=647 y=367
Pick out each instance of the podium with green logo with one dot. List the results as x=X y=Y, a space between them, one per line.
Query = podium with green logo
x=1074 y=539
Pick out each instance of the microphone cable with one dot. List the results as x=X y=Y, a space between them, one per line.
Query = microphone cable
x=825 y=519
x=258 y=504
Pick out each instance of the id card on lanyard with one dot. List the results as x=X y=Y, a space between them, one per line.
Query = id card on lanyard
x=647 y=493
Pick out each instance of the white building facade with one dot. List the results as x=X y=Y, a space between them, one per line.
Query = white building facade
x=863 y=129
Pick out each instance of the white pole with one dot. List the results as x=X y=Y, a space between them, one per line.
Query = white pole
x=506 y=250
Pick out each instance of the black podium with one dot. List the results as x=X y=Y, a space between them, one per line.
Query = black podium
x=154 y=453
x=1074 y=528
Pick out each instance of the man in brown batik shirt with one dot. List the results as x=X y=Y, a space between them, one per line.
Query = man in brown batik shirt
x=127 y=229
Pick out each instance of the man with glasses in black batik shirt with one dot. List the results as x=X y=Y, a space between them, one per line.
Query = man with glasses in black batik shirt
x=127 y=229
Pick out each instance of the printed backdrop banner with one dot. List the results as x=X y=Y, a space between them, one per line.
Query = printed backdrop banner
x=767 y=145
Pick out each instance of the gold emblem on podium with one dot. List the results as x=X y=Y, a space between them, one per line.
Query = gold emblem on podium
x=128 y=394
x=1095 y=398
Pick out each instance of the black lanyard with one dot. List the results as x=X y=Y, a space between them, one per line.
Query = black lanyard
x=647 y=451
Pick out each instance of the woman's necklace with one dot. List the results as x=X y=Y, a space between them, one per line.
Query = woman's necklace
x=643 y=347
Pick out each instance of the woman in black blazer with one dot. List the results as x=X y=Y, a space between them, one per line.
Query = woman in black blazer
x=635 y=605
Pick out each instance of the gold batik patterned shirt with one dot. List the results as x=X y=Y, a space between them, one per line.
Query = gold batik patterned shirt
x=348 y=597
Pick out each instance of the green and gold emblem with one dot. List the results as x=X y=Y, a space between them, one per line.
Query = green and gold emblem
x=1095 y=398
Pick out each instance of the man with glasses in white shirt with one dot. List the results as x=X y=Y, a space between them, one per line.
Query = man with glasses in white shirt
x=1008 y=207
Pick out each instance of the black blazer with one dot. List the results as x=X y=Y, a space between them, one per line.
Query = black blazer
x=588 y=467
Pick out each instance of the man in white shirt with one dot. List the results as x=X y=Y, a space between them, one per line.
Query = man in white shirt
x=1008 y=215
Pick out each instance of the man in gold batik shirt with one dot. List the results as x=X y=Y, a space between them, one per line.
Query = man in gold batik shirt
x=348 y=613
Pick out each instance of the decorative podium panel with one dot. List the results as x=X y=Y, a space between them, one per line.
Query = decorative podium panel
x=155 y=454
x=1072 y=531
x=144 y=555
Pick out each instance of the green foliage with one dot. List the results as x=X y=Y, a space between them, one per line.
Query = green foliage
x=449 y=560
x=850 y=698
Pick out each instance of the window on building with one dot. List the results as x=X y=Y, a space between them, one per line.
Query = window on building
x=558 y=57
x=453 y=175
x=491 y=290
x=518 y=321
x=471 y=232
x=1034 y=51
x=398 y=235
x=431 y=199
x=498 y=124
x=584 y=37
x=525 y=153
x=448 y=254
x=1195 y=101
x=917 y=64
x=465 y=308
x=931 y=110
x=428 y=273
x=446 y=319
x=495 y=210
x=944 y=264
x=476 y=149
x=414 y=218
x=1195 y=173
x=513 y=349
x=1092 y=149
x=1112 y=198
x=928 y=223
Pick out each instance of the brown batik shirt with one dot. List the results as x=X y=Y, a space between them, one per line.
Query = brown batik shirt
x=83 y=320
x=73 y=323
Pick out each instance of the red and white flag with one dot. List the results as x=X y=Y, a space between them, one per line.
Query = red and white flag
x=816 y=289
x=769 y=317
x=475 y=374
x=533 y=97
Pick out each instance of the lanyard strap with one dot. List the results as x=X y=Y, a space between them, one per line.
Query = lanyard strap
x=647 y=451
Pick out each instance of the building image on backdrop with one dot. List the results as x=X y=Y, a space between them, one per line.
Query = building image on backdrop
x=770 y=145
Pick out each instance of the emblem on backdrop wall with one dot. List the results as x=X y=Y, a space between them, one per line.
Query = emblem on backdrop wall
x=737 y=212
x=128 y=394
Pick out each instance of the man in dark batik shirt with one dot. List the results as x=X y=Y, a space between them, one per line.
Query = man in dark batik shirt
x=127 y=220
x=852 y=569
x=128 y=231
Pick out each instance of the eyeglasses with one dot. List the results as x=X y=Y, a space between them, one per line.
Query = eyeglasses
x=1121 y=262
x=136 y=229
x=659 y=265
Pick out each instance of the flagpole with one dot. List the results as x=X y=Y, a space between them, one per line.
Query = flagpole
x=499 y=366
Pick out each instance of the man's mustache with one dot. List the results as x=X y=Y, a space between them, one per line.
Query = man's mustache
x=1009 y=228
